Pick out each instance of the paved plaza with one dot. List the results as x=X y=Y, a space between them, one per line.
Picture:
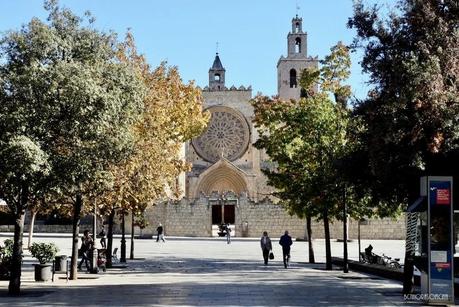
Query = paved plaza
x=209 y=272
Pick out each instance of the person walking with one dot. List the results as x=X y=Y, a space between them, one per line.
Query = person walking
x=285 y=241
x=86 y=247
x=228 y=234
x=160 y=232
x=103 y=236
x=266 y=246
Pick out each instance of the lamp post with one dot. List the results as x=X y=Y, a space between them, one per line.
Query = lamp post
x=94 y=223
x=94 y=267
x=345 y=262
x=123 y=239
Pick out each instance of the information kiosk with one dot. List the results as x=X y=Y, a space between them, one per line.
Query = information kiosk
x=434 y=239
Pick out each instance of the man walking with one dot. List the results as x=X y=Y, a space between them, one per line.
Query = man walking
x=160 y=231
x=266 y=246
x=228 y=234
x=86 y=248
x=103 y=236
x=286 y=242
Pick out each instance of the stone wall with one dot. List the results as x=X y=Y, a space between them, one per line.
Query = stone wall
x=384 y=229
x=266 y=216
x=193 y=219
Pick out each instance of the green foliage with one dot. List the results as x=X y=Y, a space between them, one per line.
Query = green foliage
x=65 y=97
x=22 y=162
x=44 y=252
x=308 y=141
x=409 y=120
x=6 y=251
x=6 y=256
x=68 y=73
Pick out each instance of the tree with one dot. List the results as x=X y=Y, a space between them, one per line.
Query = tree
x=172 y=114
x=410 y=115
x=66 y=76
x=306 y=139
x=409 y=119
x=22 y=165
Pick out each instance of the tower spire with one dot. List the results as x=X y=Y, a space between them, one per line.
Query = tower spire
x=217 y=75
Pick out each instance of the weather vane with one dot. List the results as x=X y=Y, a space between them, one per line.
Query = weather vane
x=297 y=7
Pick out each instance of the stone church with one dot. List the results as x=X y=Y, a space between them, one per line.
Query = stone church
x=226 y=183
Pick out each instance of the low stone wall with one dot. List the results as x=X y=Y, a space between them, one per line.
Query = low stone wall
x=382 y=229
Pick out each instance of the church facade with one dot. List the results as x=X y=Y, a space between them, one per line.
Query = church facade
x=226 y=184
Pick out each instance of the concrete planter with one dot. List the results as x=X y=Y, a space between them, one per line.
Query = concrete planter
x=42 y=272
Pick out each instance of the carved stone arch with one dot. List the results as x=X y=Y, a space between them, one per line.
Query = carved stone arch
x=222 y=177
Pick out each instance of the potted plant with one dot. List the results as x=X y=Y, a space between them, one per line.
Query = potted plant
x=45 y=253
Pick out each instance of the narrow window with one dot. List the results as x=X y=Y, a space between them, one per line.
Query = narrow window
x=297 y=27
x=298 y=45
x=293 y=78
x=217 y=77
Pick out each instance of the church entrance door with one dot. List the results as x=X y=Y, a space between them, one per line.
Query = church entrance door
x=223 y=212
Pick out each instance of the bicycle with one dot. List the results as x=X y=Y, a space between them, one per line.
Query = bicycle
x=387 y=261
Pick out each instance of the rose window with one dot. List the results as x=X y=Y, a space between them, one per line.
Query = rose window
x=227 y=136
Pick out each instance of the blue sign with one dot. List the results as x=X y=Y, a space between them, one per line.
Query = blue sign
x=441 y=249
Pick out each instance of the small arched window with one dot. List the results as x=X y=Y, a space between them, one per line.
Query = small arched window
x=217 y=77
x=293 y=82
x=297 y=45
x=297 y=27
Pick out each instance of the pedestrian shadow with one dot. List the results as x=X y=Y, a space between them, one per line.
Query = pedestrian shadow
x=214 y=282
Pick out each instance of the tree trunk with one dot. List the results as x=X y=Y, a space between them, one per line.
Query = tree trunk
x=78 y=206
x=123 y=239
x=358 y=238
x=111 y=219
x=310 y=247
x=32 y=224
x=328 y=262
x=14 y=287
x=131 y=256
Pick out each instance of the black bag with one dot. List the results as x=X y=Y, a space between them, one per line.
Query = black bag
x=271 y=255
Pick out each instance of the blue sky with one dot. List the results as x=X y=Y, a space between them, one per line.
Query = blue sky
x=252 y=34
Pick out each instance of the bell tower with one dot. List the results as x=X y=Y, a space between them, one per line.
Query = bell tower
x=289 y=68
x=217 y=75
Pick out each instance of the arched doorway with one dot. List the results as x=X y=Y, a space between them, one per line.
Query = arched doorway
x=223 y=183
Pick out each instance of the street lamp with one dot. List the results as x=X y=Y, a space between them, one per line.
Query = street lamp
x=345 y=262
x=95 y=252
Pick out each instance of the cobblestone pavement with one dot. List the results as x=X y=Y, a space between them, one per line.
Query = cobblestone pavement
x=207 y=272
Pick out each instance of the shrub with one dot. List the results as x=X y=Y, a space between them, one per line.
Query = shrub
x=6 y=254
x=6 y=251
x=44 y=252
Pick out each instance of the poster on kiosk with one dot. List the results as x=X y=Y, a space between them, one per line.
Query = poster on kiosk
x=440 y=243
